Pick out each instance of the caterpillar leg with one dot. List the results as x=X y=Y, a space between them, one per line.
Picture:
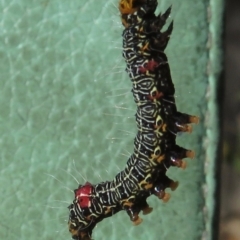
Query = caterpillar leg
x=182 y=124
x=134 y=216
x=182 y=121
x=163 y=196
x=142 y=203
x=173 y=185
x=133 y=210
x=180 y=153
x=177 y=121
x=175 y=157
x=184 y=128
x=162 y=182
x=179 y=163
x=159 y=191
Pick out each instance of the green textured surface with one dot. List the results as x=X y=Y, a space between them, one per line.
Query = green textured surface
x=66 y=109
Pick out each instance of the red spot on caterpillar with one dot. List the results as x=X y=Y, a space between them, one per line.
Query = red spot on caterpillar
x=149 y=66
x=83 y=195
x=155 y=96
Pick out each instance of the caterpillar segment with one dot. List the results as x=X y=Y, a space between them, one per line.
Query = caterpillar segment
x=158 y=122
x=155 y=91
x=148 y=68
x=153 y=70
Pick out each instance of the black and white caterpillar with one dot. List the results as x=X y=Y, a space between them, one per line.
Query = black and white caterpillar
x=158 y=122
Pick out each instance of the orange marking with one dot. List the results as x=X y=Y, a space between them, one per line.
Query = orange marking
x=166 y=197
x=148 y=186
x=158 y=159
x=128 y=204
x=161 y=158
x=124 y=23
x=164 y=127
x=89 y=218
x=145 y=47
x=107 y=210
x=126 y=7
x=74 y=232
x=157 y=127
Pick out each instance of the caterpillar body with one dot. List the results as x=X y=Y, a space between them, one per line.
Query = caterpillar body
x=158 y=123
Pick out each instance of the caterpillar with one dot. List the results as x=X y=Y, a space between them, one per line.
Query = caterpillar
x=158 y=122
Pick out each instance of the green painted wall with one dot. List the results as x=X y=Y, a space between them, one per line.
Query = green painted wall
x=66 y=110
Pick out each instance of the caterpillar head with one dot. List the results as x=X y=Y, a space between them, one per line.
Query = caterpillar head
x=128 y=8
x=80 y=221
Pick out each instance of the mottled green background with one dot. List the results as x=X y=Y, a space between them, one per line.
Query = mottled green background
x=66 y=111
